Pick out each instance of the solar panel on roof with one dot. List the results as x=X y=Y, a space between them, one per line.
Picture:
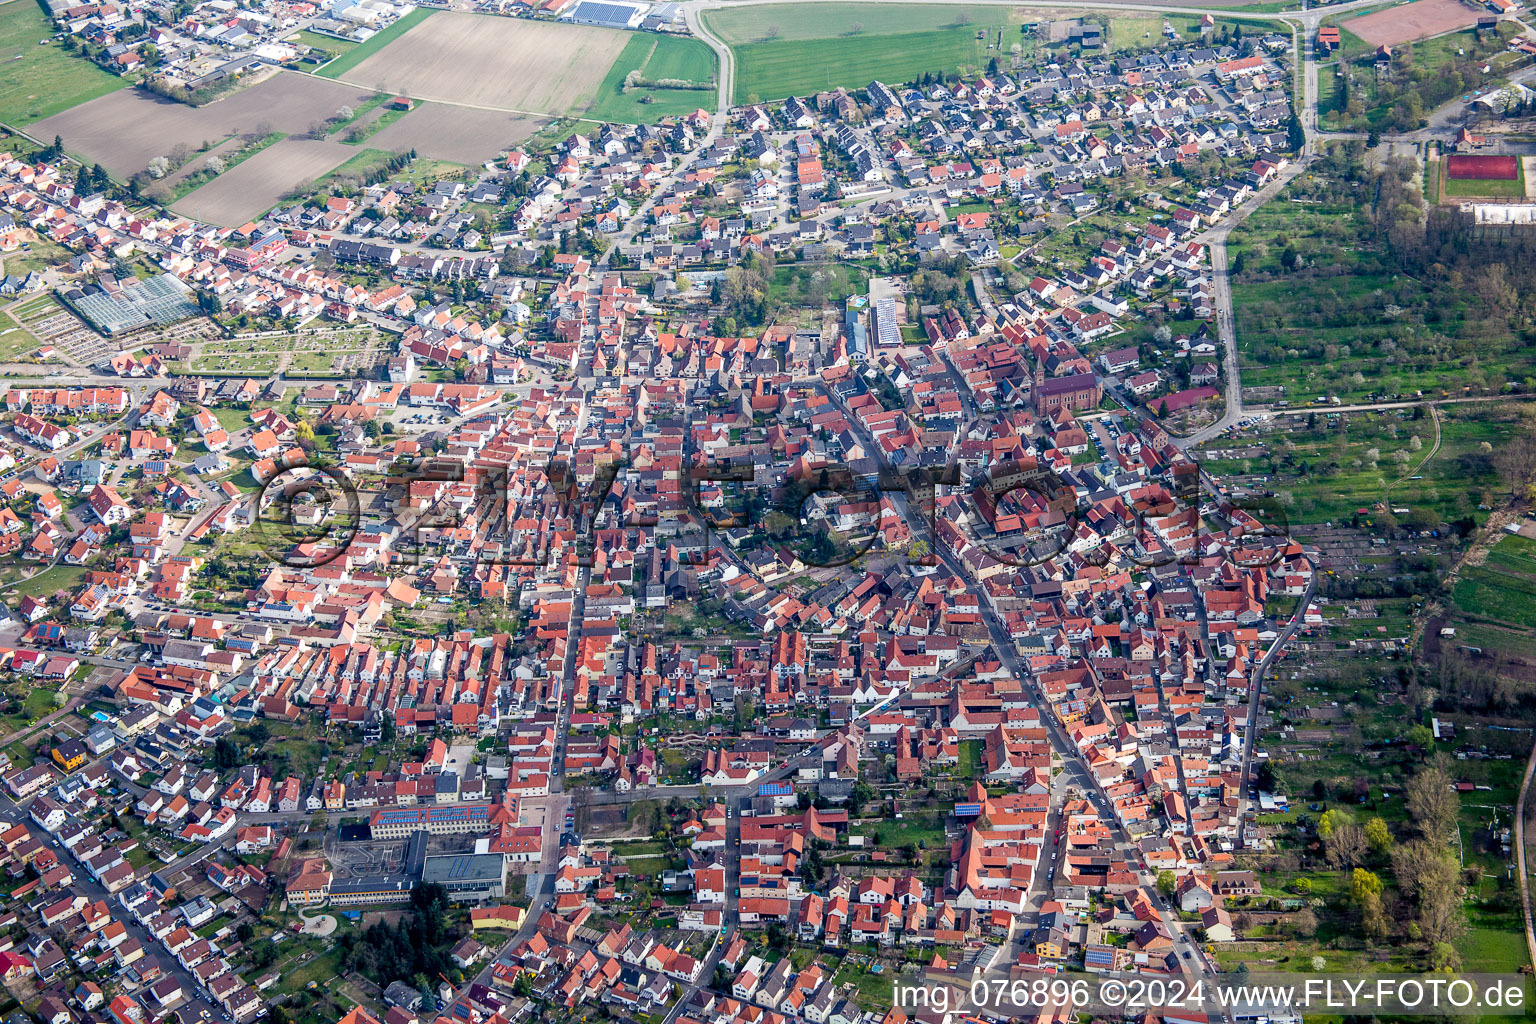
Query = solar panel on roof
x=602 y=14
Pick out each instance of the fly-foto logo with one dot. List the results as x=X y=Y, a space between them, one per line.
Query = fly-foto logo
x=1018 y=513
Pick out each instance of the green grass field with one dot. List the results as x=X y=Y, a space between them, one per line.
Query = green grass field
x=361 y=52
x=802 y=48
x=40 y=81
x=330 y=44
x=677 y=57
x=798 y=48
x=656 y=58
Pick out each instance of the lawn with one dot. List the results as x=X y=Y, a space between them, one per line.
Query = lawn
x=968 y=764
x=361 y=52
x=43 y=253
x=872 y=991
x=48 y=582
x=330 y=44
x=656 y=58
x=40 y=81
x=14 y=340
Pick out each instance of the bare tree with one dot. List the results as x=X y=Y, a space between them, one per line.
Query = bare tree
x=857 y=28
x=1432 y=803
x=771 y=33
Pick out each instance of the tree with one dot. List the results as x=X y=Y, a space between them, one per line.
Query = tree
x=1420 y=736
x=1268 y=778
x=1432 y=802
x=1295 y=134
x=1304 y=923
x=1332 y=819
x=1443 y=957
x=225 y=754
x=1378 y=836
x=1166 y=882
x=1363 y=885
x=1427 y=872
x=1345 y=846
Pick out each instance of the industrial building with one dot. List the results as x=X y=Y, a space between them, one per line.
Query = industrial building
x=468 y=877
x=607 y=15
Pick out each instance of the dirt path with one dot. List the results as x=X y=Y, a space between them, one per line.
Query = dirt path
x=1521 y=808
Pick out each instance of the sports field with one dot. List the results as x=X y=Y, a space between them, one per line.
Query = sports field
x=1418 y=20
x=1458 y=183
x=1466 y=166
x=509 y=64
x=39 y=81
x=657 y=58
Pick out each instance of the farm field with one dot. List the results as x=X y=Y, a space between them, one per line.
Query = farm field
x=656 y=58
x=542 y=67
x=464 y=135
x=801 y=48
x=127 y=129
x=40 y=81
x=798 y=48
x=358 y=53
x=255 y=185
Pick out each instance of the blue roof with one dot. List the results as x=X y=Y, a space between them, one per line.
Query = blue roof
x=605 y=14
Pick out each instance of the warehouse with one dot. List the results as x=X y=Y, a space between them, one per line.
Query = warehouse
x=607 y=15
